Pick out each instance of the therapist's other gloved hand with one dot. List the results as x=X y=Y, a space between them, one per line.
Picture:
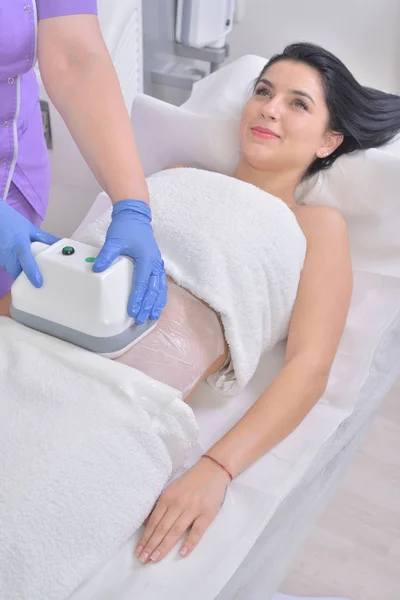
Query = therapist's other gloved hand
x=131 y=234
x=16 y=236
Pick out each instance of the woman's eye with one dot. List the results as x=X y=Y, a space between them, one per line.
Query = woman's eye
x=300 y=104
x=263 y=92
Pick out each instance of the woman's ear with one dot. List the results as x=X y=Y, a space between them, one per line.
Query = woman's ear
x=331 y=142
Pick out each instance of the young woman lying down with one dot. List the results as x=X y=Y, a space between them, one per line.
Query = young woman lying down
x=249 y=267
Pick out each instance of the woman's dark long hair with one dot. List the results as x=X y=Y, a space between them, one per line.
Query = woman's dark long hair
x=367 y=118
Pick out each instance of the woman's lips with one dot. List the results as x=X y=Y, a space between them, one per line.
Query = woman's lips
x=264 y=133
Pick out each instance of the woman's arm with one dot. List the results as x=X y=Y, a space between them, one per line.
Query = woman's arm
x=81 y=81
x=318 y=319
x=317 y=324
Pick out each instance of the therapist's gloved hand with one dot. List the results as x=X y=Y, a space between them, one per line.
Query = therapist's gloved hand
x=131 y=234
x=16 y=236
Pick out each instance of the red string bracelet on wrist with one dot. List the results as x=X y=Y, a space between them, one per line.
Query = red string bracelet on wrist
x=218 y=463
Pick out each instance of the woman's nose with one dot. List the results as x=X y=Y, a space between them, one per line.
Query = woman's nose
x=270 y=109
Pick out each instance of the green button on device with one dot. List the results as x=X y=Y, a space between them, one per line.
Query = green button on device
x=90 y=259
x=68 y=251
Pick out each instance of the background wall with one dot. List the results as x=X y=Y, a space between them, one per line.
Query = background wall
x=365 y=34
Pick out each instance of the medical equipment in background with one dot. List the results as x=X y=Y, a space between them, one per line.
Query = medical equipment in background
x=77 y=305
x=200 y=33
x=201 y=23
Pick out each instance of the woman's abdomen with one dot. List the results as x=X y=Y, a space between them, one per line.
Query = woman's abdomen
x=187 y=341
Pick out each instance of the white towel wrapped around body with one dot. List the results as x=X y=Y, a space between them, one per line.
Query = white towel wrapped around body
x=235 y=247
x=86 y=447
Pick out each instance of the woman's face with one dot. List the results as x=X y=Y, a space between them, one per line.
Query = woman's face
x=285 y=123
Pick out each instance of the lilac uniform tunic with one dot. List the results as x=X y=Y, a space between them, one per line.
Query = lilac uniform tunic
x=24 y=163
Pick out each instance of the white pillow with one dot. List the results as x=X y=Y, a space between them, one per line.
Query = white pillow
x=204 y=133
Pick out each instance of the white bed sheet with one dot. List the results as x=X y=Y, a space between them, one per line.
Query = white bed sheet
x=272 y=506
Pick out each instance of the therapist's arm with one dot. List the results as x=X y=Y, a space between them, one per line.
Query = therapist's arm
x=81 y=81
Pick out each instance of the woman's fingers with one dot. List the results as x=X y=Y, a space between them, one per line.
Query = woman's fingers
x=198 y=529
x=175 y=533
x=150 y=526
x=169 y=531
x=155 y=532
x=191 y=501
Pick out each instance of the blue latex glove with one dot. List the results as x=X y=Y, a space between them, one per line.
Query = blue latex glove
x=16 y=235
x=131 y=234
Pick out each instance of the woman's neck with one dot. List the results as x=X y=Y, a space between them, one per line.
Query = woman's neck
x=281 y=185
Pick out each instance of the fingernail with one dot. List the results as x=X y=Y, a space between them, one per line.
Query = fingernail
x=155 y=555
x=143 y=557
x=139 y=550
x=184 y=551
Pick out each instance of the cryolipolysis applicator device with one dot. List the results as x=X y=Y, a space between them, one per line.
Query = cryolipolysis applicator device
x=77 y=305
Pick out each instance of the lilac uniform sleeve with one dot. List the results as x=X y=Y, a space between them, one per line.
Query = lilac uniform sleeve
x=61 y=8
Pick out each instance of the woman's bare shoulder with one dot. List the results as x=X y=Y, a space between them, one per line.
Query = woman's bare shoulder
x=314 y=220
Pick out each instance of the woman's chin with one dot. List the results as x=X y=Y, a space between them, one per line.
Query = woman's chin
x=261 y=161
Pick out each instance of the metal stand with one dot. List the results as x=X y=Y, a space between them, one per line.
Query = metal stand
x=183 y=76
x=177 y=75
x=215 y=56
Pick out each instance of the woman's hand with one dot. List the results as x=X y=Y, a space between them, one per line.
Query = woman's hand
x=191 y=501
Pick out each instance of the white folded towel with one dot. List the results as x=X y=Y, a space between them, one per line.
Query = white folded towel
x=234 y=246
x=86 y=447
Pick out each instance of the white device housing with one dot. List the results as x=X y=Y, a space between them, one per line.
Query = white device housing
x=202 y=23
x=76 y=304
